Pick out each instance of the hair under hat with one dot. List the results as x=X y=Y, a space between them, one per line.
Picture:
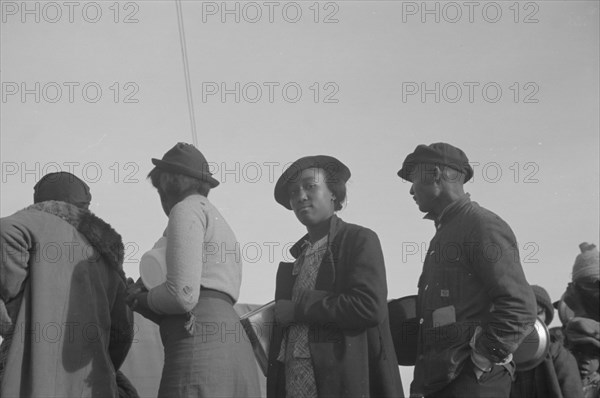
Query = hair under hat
x=586 y=264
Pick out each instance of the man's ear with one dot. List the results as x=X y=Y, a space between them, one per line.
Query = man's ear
x=437 y=174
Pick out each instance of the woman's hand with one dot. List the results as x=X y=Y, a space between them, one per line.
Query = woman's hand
x=138 y=302
x=137 y=298
x=285 y=312
x=135 y=287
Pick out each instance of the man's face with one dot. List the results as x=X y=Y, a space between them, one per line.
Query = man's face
x=424 y=190
x=310 y=198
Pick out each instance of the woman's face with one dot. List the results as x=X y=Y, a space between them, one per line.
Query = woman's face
x=310 y=198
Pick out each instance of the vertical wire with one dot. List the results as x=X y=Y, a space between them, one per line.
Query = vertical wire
x=186 y=72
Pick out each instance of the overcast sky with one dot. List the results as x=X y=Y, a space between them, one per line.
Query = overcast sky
x=98 y=88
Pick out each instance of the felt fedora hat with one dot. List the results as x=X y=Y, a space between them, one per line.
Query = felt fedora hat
x=186 y=159
x=334 y=169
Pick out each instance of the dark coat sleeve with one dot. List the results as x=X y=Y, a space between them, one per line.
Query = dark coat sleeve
x=121 y=328
x=497 y=264
x=567 y=371
x=359 y=299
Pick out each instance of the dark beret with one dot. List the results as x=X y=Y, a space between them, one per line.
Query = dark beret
x=334 y=169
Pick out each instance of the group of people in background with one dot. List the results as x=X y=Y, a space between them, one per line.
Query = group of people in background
x=66 y=306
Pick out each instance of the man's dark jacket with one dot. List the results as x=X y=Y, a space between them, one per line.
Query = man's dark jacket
x=472 y=280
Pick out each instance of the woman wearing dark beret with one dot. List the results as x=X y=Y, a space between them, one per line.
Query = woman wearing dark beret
x=205 y=354
x=332 y=336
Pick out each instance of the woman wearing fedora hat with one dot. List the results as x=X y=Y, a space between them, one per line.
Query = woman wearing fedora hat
x=332 y=335
x=194 y=306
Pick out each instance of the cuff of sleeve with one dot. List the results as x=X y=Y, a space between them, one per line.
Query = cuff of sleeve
x=6 y=324
x=481 y=362
x=150 y=302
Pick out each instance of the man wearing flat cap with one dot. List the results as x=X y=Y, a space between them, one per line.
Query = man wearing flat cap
x=474 y=303
x=63 y=317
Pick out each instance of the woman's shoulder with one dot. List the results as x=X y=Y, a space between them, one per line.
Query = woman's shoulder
x=190 y=207
x=354 y=230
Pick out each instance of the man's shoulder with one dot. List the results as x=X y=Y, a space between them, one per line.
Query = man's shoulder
x=477 y=213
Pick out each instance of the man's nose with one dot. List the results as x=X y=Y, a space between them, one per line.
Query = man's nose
x=412 y=190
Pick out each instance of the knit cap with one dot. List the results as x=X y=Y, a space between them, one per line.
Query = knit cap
x=543 y=299
x=587 y=266
x=64 y=187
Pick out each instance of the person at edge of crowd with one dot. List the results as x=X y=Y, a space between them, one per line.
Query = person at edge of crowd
x=583 y=337
x=582 y=295
x=583 y=329
x=194 y=306
x=557 y=333
x=474 y=303
x=331 y=335
x=64 y=319
x=557 y=375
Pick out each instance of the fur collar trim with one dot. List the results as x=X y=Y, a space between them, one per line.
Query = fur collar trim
x=98 y=233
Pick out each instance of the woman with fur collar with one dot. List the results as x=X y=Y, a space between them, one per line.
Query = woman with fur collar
x=64 y=320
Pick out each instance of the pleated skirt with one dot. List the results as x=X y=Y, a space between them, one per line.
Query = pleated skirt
x=207 y=355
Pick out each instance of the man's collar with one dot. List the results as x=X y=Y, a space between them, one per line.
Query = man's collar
x=448 y=210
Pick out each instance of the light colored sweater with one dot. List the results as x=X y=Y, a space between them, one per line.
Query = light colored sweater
x=201 y=250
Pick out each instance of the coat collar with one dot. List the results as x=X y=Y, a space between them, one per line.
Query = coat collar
x=98 y=233
x=449 y=211
x=335 y=225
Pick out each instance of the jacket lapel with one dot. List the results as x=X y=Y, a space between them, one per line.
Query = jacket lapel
x=326 y=277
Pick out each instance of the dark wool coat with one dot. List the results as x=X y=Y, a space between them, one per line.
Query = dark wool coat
x=62 y=288
x=349 y=337
x=556 y=377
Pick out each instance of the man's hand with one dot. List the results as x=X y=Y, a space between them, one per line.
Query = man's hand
x=284 y=312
